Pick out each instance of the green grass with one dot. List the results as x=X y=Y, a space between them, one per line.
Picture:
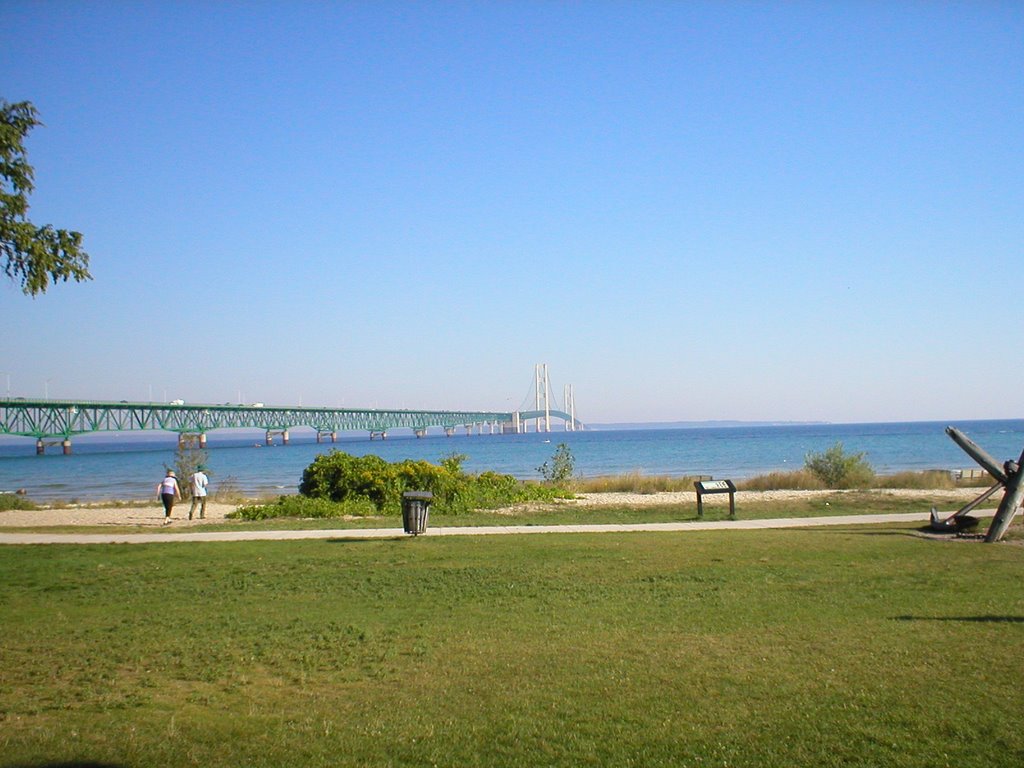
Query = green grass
x=784 y=648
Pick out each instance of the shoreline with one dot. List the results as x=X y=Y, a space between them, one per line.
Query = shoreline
x=149 y=515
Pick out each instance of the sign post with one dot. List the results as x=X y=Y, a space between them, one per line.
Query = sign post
x=716 y=486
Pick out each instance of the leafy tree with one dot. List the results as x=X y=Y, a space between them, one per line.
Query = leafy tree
x=187 y=459
x=561 y=466
x=34 y=256
x=838 y=469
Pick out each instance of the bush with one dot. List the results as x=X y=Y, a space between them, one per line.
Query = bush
x=837 y=469
x=340 y=477
x=302 y=506
x=561 y=467
x=14 y=501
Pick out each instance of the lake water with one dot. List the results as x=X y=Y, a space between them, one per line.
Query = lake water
x=114 y=467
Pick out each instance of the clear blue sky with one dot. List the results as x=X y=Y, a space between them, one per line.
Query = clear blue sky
x=688 y=210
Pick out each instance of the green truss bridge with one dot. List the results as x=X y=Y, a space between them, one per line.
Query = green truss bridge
x=53 y=422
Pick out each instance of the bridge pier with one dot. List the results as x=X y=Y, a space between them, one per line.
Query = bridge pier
x=320 y=434
x=382 y=434
x=282 y=432
x=422 y=432
x=186 y=438
x=42 y=444
x=449 y=431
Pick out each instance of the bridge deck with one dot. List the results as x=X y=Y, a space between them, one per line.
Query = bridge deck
x=65 y=418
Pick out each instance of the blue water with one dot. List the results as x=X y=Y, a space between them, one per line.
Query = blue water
x=129 y=468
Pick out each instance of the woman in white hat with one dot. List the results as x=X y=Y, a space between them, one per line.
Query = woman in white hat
x=168 y=491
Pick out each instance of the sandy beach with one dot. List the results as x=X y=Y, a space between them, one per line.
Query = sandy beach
x=152 y=515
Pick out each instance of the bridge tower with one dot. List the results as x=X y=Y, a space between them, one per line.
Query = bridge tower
x=540 y=372
x=570 y=407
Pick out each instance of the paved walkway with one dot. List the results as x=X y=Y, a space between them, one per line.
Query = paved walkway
x=397 y=533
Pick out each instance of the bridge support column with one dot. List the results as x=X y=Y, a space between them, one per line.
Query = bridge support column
x=66 y=447
x=187 y=439
x=282 y=432
x=382 y=434
x=421 y=432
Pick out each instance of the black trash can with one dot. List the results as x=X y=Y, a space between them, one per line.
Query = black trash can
x=415 y=508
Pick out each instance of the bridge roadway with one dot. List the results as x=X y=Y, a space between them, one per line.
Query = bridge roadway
x=52 y=421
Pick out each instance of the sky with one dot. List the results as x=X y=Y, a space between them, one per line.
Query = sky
x=688 y=210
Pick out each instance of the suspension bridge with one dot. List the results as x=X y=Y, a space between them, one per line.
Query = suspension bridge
x=56 y=422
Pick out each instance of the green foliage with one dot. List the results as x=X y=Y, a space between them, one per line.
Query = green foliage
x=14 y=501
x=34 y=256
x=305 y=507
x=339 y=477
x=187 y=459
x=560 y=467
x=837 y=469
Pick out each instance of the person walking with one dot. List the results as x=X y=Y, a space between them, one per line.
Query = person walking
x=198 y=482
x=168 y=491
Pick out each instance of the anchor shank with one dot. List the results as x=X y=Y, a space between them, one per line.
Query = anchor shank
x=978 y=453
x=1009 y=505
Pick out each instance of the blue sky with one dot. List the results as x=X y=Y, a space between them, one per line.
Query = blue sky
x=793 y=211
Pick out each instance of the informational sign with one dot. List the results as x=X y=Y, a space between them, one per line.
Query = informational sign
x=716 y=486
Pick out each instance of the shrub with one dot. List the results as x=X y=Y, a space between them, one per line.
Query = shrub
x=837 y=469
x=340 y=477
x=561 y=467
x=302 y=506
x=14 y=501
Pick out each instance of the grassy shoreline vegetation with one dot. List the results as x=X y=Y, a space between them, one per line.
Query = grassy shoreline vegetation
x=343 y=491
x=338 y=485
x=814 y=647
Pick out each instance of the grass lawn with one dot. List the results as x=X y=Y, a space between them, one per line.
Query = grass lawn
x=866 y=646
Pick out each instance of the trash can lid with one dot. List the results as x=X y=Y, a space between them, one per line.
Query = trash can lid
x=417 y=495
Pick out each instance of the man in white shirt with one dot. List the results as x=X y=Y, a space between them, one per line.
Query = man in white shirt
x=199 y=481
